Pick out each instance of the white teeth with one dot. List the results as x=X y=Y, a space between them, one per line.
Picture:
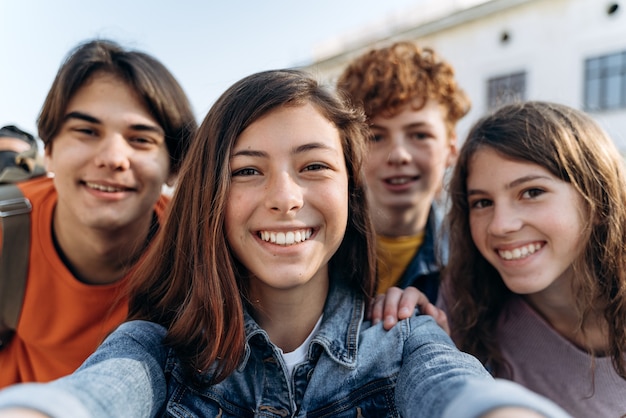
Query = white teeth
x=520 y=252
x=103 y=188
x=286 y=238
x=399 y=180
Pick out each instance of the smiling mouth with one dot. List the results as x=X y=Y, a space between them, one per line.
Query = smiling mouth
x=286 y=238
x=520 y=252
x=398 y=181
x=103 y=188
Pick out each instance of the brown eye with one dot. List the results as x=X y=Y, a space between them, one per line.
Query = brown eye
x=245 y=172
x=419 y=135
x=376 y=138
x=532 y=193
x=315 y=167
x=480 y=203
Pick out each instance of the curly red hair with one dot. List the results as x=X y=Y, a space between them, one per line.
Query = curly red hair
x=385 y=80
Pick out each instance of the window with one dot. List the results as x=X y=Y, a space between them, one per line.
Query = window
x=605 y=82
x=506 y=89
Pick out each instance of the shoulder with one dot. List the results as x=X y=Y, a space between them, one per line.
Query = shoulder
x=414 y=332
x=143 y=332
x=423 y=329
x=39 y=186
x=134 y=341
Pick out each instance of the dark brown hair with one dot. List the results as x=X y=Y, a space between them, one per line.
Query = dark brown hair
x=189 y=282
x=147 y=77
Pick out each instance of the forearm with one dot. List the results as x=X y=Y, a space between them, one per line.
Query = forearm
x=439 y=380
x=21 y=413
x=501 y=399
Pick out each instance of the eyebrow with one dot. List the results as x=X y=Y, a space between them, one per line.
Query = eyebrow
x=405 y=127
x=92 y=119
x=515 y=183
x=297 y=150
x=81 y=116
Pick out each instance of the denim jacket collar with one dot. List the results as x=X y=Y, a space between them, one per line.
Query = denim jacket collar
x=338 y=337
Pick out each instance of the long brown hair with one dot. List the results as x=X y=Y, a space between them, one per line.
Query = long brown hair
x=571 y=146
x=188 y=281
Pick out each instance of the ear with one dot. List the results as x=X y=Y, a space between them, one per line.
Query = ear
x=171 y=179
x=454 y=151
x=47 y=158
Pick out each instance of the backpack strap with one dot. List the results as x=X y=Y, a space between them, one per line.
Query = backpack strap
x=15 y=218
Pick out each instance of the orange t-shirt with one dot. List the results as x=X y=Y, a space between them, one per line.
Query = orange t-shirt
x=63 y=320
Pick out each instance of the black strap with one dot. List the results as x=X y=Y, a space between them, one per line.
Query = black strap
x=15 y=218
x=27 y=165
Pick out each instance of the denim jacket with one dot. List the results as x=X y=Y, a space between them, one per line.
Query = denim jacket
x=423 y=270
x=353 y=369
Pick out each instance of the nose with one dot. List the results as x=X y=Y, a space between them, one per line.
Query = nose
x=504 y=220
x=398 y=154
x=284 y=194
x=113 y=152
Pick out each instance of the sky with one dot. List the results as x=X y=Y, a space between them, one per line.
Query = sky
x=207 y=44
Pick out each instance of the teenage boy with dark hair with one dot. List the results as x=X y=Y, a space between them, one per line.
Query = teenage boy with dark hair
x=116 y=125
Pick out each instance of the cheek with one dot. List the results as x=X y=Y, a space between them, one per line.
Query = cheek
x=156 y=167
x=231 y=220
x=341 y=207
x=437 y=157
x=62 y=158
x=477 y=231
x=377 y=156
x=231 y=212
x=239 y=208
x=330 y=200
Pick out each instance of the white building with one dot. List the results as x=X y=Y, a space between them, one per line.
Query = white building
x=568 y=51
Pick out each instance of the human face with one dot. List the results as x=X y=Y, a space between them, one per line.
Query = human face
x=109 y=158
x=406 y=162
x=287 y=207
x=525 y=221
x=13 y=144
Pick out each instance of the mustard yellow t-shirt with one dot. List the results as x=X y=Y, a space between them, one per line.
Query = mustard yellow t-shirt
x=394 y=256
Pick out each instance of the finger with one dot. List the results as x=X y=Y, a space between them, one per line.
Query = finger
x=411 y=298
x=390 y=308
x=439 y=316
x=375 y=313
x=442 y=321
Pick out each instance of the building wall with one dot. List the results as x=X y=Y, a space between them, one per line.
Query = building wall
x=548 y=39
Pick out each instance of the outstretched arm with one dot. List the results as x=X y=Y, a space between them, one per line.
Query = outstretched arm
x=21 y=413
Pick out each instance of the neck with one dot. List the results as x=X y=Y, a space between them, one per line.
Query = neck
x=393 y=222
x=98 y=256
x=289 y=316
x=589 y=333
